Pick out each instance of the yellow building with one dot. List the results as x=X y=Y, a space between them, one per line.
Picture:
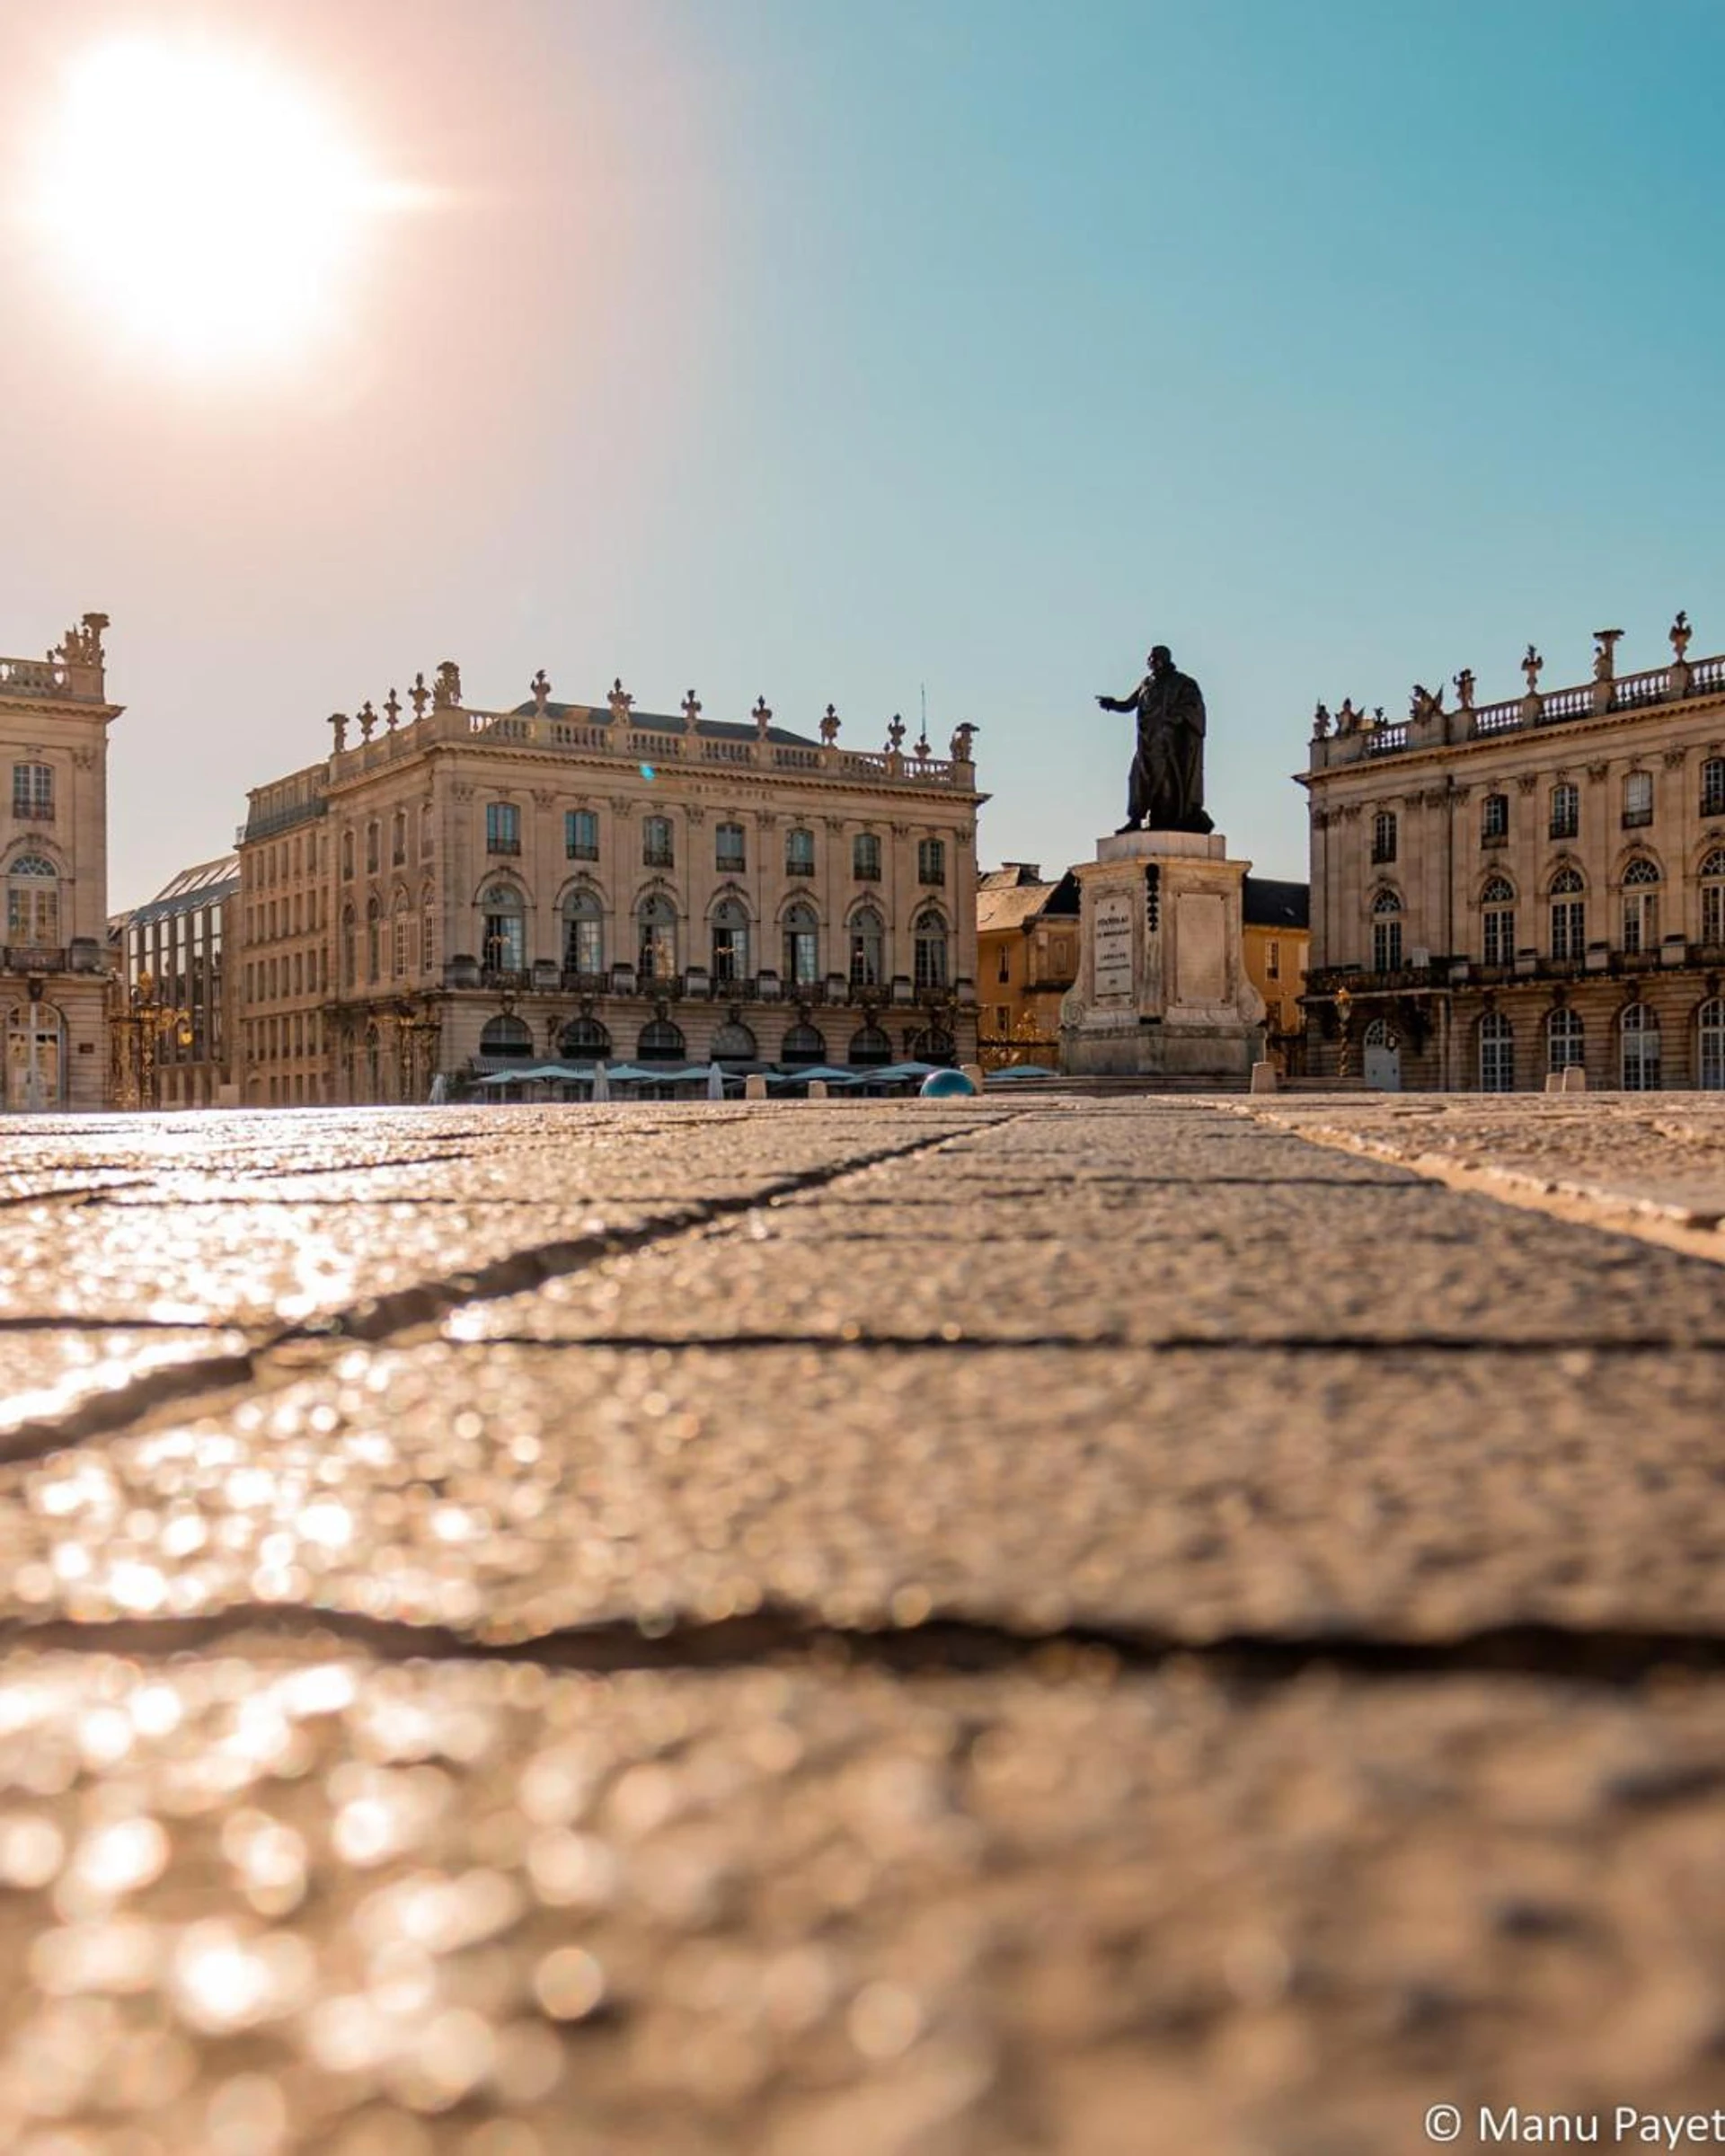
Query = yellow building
x=474 y=890
x=54 y=721
x=1276 y=941
x=1027 y=958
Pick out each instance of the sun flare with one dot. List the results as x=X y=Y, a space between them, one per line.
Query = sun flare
x=202 y=200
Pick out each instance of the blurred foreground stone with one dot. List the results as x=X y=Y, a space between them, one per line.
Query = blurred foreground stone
x=887 y=1630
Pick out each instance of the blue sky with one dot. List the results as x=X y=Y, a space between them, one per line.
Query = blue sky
x=830 y=350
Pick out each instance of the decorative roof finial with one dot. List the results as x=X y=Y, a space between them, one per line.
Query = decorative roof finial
x=1680 y=633
x=830 y=726
x=1531 y=665
x=896 y=734
x=338 y=725
x=762 y=717
x=541 y=686
x=621 y=702
x=691 y=712
x=419 y=695
x=1464 y=688
x=392 y=710
x=367 y=720
x=446 y=695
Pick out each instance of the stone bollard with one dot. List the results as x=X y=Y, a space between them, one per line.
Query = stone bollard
x=755 y=1087
x=1554 y=1082
x=1263 y=1078
x=817 y=1089
x=1574 y=1079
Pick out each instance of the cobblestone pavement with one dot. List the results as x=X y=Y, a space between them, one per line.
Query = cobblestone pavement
x=867 y=1630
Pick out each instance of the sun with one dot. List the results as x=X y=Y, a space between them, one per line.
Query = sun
x=202 y=200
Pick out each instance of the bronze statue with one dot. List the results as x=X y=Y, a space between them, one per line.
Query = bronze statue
x=1166 y=788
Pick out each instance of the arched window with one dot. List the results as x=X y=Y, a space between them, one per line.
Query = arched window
x=1568 y=916
x=1712 y=898
x=428 y=929
x=1566 y=811
x=583 y=932
x=657 y=851
x=659 y=1042
x=503 y=934
x=730 y=849
x=1494 y=819
x=583 y=1037
x=33 y=900
x=1498 y=903
x=401 y=928
x=798 y=852
x=733 y=1043
x=869 y=1044
x=729 y=940
x=1710 y=1044
x=350 y=957
x=507 y=1036
x=1386 y=932
x=374 y=936
x=1496 y=1054
x=930 y=948
x=34 y=1072
x=865 y=857
x=1640 y=1034
x=1640 y=905
x=1564 y=1041
x=868 y=948
x=1383 y=836
x=932 y=1046
x=801 y=1045
x=802 y=943
x=655 y=917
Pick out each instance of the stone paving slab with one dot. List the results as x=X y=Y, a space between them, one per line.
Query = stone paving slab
x=48 y=1373
x=1427 y=1267
x=511 y=1491
x=256 y=1903
x=1660 y=1150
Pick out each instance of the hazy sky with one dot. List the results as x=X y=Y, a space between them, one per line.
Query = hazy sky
x=829 y=348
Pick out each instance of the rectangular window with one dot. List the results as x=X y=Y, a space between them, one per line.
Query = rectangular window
x=33 y=792
x=798 y=852
x=1569 y=928
x=729 y=853
x=931 y=860
x=502 y=828
x=1566 y=812
x=1386 y=946
x=373 y=842
x=865 y=857
x=1494 y=818
x=1641 y=921
x=582 y=834
x=1713 y=786
x=503 y=947
x=398 y=850
x=1638 y=800
x=1273 y=960
x=1500 y=935
x=583 y=945
x=656 y=848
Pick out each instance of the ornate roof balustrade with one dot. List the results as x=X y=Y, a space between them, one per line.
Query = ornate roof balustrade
x=1353 y=736
x=637 y=738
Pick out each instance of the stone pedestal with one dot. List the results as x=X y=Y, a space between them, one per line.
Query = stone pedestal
x=1162 y=989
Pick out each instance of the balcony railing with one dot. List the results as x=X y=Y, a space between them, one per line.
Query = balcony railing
x=31 y=812
x=35 y=957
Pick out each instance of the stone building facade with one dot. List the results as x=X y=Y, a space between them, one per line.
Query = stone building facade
x=282 y=970
x=54 y=721
x=1501 y=891
x=171 y=1025
x=570 y=882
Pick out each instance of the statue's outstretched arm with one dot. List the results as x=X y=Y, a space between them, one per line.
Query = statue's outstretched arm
x=1119 y=704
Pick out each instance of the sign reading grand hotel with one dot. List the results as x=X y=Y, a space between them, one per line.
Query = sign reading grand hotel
x=1111 y=945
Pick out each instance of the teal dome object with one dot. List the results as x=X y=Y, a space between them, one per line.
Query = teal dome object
x=946 y=1085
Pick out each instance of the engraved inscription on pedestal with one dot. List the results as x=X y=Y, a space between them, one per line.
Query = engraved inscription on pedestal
x=1111 y=948
x=1201 y=948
